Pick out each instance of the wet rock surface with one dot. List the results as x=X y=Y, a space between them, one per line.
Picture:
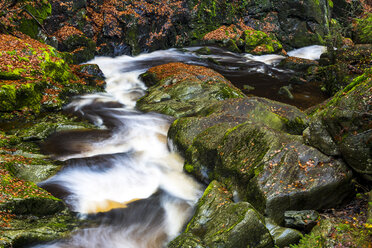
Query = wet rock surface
x=255 y=147
x=341 y=126
x=218 y=222
x=181 y=90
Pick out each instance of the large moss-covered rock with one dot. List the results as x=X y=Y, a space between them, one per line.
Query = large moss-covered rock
x=271 y=169
x=250 y=148
x=81 y=47
x=300 y=32
x=35 y=77
x=258 y=42
x=182 y=90
x=218 y=222
x=342 y=126
x=15 y=97
x=214 y=120
x=43 y=127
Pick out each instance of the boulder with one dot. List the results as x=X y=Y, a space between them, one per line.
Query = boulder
x=283 y=237
x=33 y=229
x=215 y=119
x=342 y=125
x=250 y=148
x=219 y=222
x=179 y=89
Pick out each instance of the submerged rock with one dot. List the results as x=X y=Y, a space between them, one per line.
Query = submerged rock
x=219 y=222
x=179 y=90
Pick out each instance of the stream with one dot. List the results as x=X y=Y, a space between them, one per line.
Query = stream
x=125 y=178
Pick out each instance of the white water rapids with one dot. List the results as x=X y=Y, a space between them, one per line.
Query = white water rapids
x=126 y=174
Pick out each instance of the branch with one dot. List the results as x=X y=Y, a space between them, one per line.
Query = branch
x=28 y=12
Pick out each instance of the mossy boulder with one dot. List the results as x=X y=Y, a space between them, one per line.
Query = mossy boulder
x=16 y=97
x=34 y=77
x=342 y=125
x=38 y=206
x=258 y=42
x=179 y=89
x=300 y=32
x=283 y=237
x=273 y=170
x=91 y=73
x=43 y=127
x=217 y=118
x=253 y=145
x=219 y=222
x=81 y=47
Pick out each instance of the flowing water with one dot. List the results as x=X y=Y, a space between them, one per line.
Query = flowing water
x=125 y=176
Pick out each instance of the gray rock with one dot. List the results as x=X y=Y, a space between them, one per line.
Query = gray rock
x=302 y=220
x=185 y=91
x=283 y=237
x=218 y=222
x=342 y=126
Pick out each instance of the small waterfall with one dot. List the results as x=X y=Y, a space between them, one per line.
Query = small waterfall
x=309 y=52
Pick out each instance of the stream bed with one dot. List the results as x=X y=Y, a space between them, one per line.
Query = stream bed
x=125 y=178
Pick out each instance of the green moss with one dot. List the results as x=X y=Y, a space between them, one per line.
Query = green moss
x=189 y=168
x=364 y=29
x=58 y=71
x=364 y=78
x=10 y=75
x=29 y=95
x=330 y=3
x=258 y=42
x=7 y=97
x=41 y=11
